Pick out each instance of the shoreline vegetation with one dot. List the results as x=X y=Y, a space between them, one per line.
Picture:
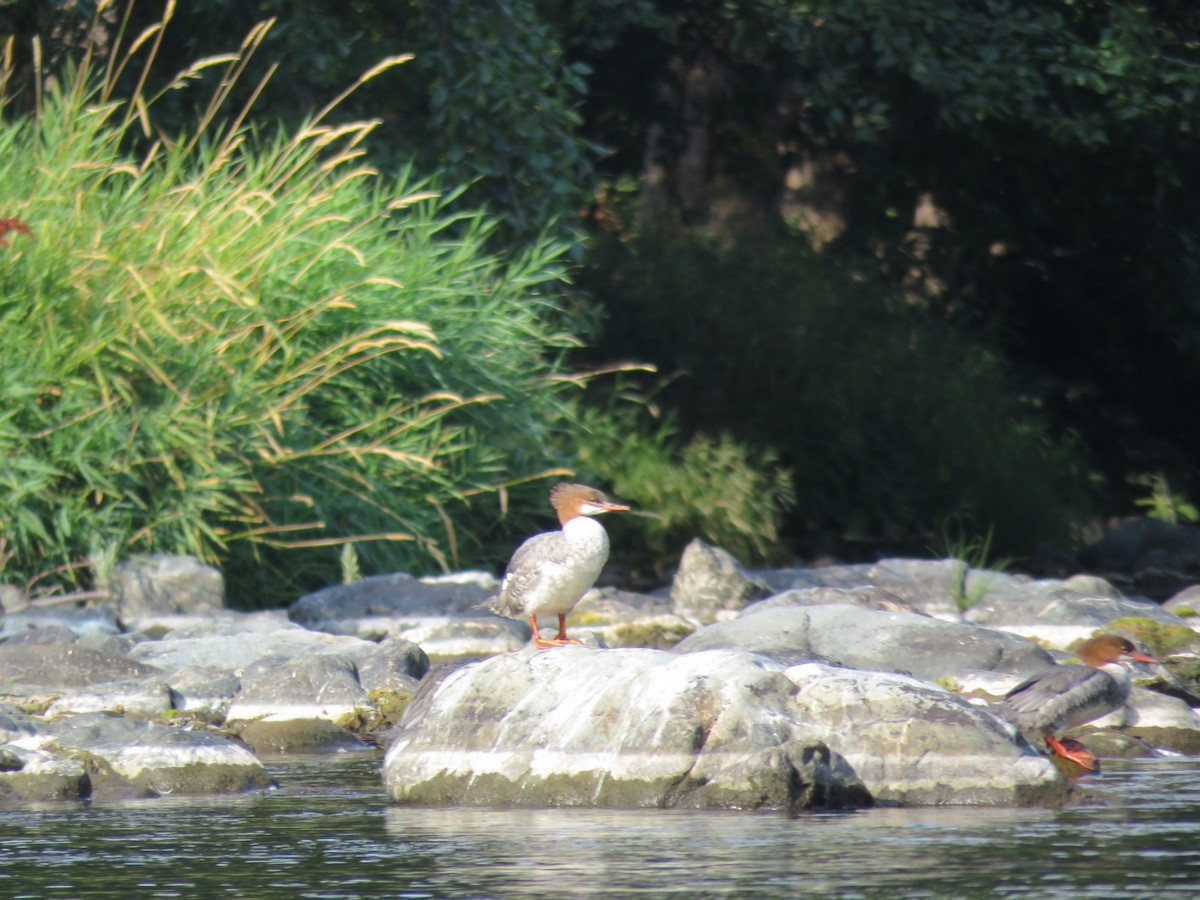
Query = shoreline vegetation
x=272 y=334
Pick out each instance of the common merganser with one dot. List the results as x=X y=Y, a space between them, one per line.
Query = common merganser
x=1070 y=695
x=551 y=571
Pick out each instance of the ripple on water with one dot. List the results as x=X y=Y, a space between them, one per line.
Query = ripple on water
x=330 y=833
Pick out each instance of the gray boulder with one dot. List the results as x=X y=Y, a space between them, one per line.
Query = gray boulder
x=387 y=596
x=44 y=634
x=390 y=661
x=1185 y=603
x=624 y=619
x=12 y=598
x=915 y=744
x=46 y=668
x=934 y=587
x=299 y=736
x=1160 y=721
x=971 y=657
x=477 y=633
x=204 y=691
x=868 y=597
x=31 y=775
x=146 y=697
x=439 y=613
x=233 y=649
x=719 y=729
x=1062 y=612
x=937 y=587
x=80 y=621
x=163 y=583
x=847 y=577
x=324 y=687
x=308 y=704
x=15 y=724
x=711 y=584
x=624 y=728
x=227 y=622
x=162 y=759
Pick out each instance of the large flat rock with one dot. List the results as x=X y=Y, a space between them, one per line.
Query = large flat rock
x=719 y=728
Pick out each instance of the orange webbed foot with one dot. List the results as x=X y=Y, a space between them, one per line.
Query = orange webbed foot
x=1075 y=752
x=546 y=643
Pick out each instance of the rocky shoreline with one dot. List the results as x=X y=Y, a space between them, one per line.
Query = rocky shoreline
x=840 y=685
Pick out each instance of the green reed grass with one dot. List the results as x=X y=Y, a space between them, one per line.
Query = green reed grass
x=249 y=348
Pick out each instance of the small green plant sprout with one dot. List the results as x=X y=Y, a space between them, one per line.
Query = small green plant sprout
x=950 y=683
x=103 y=559
x=975 y=550
x=1162 y=503
x=350 y=567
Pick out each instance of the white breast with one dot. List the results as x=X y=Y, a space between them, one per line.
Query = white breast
x=553 y=579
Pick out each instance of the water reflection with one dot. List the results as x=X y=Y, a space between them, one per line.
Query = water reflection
x=330 y=833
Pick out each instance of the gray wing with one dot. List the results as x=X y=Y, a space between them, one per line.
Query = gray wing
x=1060 y=698
x=517 y=575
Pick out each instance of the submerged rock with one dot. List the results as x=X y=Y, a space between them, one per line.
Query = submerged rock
x=299 y=736
x=29 y=774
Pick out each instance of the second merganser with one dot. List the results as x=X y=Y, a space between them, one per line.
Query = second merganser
x=551 y=571
x=1070 y=695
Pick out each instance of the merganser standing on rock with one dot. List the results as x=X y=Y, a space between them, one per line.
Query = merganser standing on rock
x=1070 y=695
x=551 y=571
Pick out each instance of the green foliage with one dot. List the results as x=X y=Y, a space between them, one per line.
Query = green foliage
x=243 y=347
x=502 y=108
x=351 y=572
x=960 y=541
x=489 y=101
x=713 y=487
x=1056 y=144
x=1162 y=503
x=890 y=427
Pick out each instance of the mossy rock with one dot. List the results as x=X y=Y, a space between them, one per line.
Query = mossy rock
x=43 y=786
x=204 y=778
x=298 y=736
x=388 y=707
x=1163 y=640
x=106 y=782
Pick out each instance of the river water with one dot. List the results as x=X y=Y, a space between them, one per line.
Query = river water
x=329 y=832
